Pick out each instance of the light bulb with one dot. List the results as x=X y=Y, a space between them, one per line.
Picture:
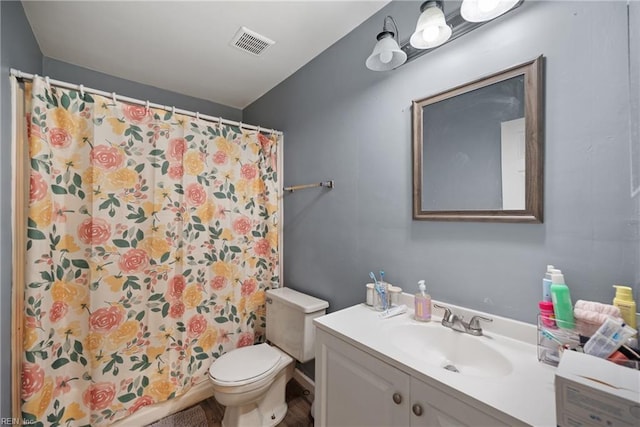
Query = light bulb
x=487 y=5
x=386 y=57
x=430 y=33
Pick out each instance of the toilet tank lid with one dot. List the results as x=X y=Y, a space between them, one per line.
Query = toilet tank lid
x=303 y=302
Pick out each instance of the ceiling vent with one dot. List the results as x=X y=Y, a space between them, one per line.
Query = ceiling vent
x=250 y=41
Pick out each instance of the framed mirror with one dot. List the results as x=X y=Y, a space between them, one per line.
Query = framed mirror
x=478 y=149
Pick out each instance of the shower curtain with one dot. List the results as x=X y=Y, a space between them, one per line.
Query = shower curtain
x=151 y=239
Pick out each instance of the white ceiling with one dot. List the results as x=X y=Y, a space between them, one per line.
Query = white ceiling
x=183 y=46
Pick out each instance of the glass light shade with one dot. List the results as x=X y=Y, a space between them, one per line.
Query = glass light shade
x=386 y=54
x=432 y=29
x=485 y=10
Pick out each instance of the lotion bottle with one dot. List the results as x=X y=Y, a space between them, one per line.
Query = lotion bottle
x=624 y=301
x=422 y=304
x=561 y=297
x=546 y=284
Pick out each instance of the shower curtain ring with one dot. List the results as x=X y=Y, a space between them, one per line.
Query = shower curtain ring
x=219 y=122
x=173 y=110
x=82 y=91
x=47 y=82
x=113 y=96
x=147 y=106
x=197 y=115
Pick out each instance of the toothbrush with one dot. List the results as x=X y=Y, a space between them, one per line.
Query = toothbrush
x=382 y=275
x=379 y=290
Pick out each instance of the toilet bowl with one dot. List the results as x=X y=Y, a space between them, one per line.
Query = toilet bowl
x=251 y=381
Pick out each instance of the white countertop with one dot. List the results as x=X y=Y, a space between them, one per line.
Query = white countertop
x=527 y=393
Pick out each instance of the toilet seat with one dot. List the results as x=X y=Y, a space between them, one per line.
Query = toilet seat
x=245 y=365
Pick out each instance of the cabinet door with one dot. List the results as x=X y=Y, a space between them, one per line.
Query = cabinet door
x=356 y=389
x=434 y=408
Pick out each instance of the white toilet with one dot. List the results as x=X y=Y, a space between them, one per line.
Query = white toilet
x=251 y=381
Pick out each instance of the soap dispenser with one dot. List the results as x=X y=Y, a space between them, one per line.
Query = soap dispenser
x=422 y=304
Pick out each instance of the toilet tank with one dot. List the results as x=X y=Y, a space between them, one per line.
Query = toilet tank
x=289 y=321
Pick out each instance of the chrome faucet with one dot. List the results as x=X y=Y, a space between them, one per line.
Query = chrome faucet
x=457 y=323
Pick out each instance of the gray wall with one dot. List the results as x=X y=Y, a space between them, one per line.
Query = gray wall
x=18 y=49
x=344 y=122
x=74 y=74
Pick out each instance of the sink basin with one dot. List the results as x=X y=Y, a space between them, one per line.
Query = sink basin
x=460 y=353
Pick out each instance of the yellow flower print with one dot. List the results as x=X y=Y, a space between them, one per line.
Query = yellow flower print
x=73 y=411
x=227 y=234
x=244 y=188
x=35 y=145
x=154 y=352
x=193 y=164
x=151 y=208
x=118 y=127
x=258 y=186
x=94 y=341
x=65 y=120
x=192 y=296
x=40 y=401
x=115 y=283
x=121 y=179
x=221 y=268
x=73 y=329
x=156 y=246
x=208 y=339
x=73 y=162
x=226 y=146
x=206 y=212
x=92 y=176
x=160 y=389
x=272 y=238
x=125 y=333
x=30 y=337
x=256 y=300
x=242 y=305
x=41 y=212
x=68 y=243
x=73 y=294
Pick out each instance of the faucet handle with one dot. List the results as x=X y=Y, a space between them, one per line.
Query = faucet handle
x=447 y=312
x=474 y=323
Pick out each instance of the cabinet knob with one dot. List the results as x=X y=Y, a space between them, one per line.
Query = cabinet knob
x=397 y=398
x=417 y=409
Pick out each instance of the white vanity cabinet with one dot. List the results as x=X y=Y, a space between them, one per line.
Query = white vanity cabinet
x=354 y=388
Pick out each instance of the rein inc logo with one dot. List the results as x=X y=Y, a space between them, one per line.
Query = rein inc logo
x=15 y=421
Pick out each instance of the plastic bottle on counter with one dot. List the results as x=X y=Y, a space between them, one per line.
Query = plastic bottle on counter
x=422 y=304
x=561 y=297
x=624 y=301
x=546 y=284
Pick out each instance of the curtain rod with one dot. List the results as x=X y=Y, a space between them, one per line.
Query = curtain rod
x=26 y=76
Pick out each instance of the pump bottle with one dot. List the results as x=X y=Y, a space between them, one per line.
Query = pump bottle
x=624 y=301
x=422 y=304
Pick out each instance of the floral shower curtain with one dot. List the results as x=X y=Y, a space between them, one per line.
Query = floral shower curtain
x=151 y=240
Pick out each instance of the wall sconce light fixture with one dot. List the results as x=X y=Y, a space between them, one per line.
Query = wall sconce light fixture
x=386 y=54
x=485 y=10
x=432 y=29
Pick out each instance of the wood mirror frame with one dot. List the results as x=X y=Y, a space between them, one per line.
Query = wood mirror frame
x=532 y=73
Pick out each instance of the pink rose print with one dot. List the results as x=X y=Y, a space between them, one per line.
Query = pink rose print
x=133 y=261
x=175 y=172
x=59 y=138
x=196 y=326
x=107 y=158
x=94 y=231
x=242 y=225
x=220 y=157
x=141 y=403
x=106 y=319
x=262 y=247
x=218 y=282
x=195 y=194
x=246 y=339
x=99 y=395
x=264 y=142
x=37 y=187
x=176 y=287
x=135 y=113
x=176 y=310
x=248 y=171
x=176 y=149
x=58 y=311
x=248 y=287
x=32 y=379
